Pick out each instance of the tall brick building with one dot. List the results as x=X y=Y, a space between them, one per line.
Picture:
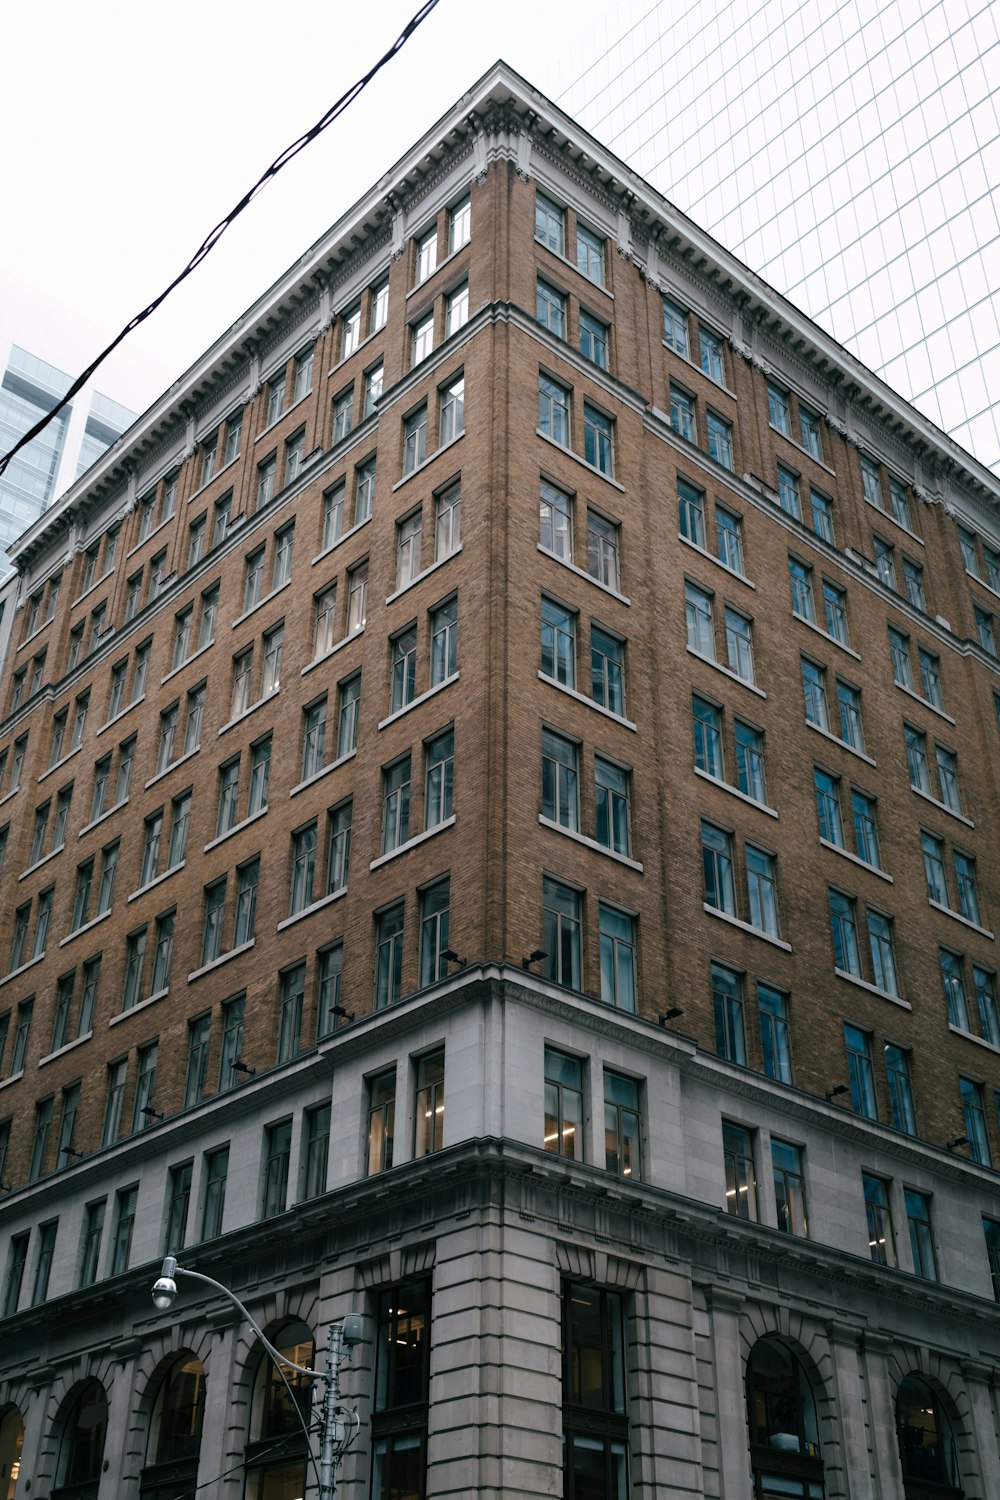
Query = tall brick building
x=499 y=788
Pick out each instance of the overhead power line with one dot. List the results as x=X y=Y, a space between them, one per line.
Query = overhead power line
x=214 y=236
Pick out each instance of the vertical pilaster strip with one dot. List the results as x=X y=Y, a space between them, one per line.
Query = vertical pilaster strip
x=734 y=1447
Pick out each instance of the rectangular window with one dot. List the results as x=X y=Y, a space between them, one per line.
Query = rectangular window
x=178 y=1204
x=550 y=223
x=364 y=492
x=126 y=1200
x=447 y=517
x=135 y=953
x=986 y=1005
x=809 y=427
x=866 y=844
x=707 y=719
x=558 y=643
x=883 y=952
x=283 y=545
x=143 y=1112
x=741 y=1177
x=395 y=805
x=192 y=724
x=451 y=412
x=727 y=1006
x=739 y=644
x=415 y=439
x=563 y=1117
x=303 y=374
x=343 y=408
x=350 y=336
x=426 y=255
x=618 y=963
x=844 y=930
x=835 y=612
x=277 y=1152
x=562 y=933
x=594 y=339
x=918 y=1221
x=789 y=1187
x=340 y=847
x=273 y=642
x=421 y=339
x=247 y=877
x=211 y=943
x=885 y=562
x=43 y=1264
x=675 y=328
x=459 y=227
x=860 y=1072
x=762 y=890
x=357 y=597
x=266 y=476
x=947 y=768
x=974 y=1116
x=611 y=806
x=788 y=492
x=333 y=515
x=778 y=409
x=90 y=1242
x=750 y=761
x=598 y=439
x=682 y=414
x=303 y=868
x=374 y=378
x=315 y=1150
x=901 y=1105
x=984 y=630
x=775 y=1036
x=550 y=308
x=216 y=1170
x=621 y=1125
x=434 y=921
x=691 y=512
x=348 y=707
x=720 y=440
x=553 y=410
x=913 y=584
x=717 y=864
x=700 y=626
x=899 y=503
x=590 y=254
x=330 y=972
x=275 y=399
x=438 y=792
x=199 y=1033
x=881 y=1241
x=381 y=1121
x=954 y=989
x=560 y=780
x=109 y=867
x=801 y=577
x=607 y=670
x=555 y=513
x=232 y=1041
x=710 y=349
x=849 y=714
x=933 y=855
x=930 y=678
x=403 y=669
x=429 y=1113
x=389 y=955
x=991 y=1230
x=408 y=537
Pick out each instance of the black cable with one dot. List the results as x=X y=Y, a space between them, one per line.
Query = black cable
x=213 y=237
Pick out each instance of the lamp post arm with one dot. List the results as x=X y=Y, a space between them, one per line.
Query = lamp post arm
x=272 y=1351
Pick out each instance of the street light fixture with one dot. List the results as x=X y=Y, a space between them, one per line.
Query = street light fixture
x=341 y=1340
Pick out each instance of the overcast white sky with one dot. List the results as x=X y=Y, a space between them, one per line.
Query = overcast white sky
x=130 y=129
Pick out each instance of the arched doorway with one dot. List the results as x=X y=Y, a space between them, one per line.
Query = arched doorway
x=174 y=1442
x=784 y=1434
x=926 y=1443
x=81 y=1452
x=277 y=1454
x=11 y=1441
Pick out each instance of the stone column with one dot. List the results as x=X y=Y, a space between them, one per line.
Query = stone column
x=730 y=1398
x=977 y=1385
x=119 y=1478
x=882 y=1416
x=854 y=1477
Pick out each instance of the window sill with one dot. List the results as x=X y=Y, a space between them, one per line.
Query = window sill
x=314 y=906
x=157 y=880
x=318 y=661
x=856 y=860
x=581 y=573
x=173 y=672
x=956 y=916
x=590 y=468
x=344 y=536
x=77 y=931
x=14 y=973
x=312 y=780
x=218 y=472
x=357 y=348
x=419 y=838
x=836 y=740
x=12 y=1079
x=582 y=698
x=139 y=1005
x=425 y=463
x=873 y=989
x=12 y=793
x=888 y=516
x=95 y=585
x=942 y=806
x=55 y=766
x=426 y=573
x=756 y=932
x=128 y=709
x=704 y=552
x=419 y=286
x=735 y=792
x=970 y=1036
x=825 y=635
x=217 y=963
x=230 y=832
x=40 y=862
x=727 y=672
x=260 y=603
x=172 y=767
x=421 y=698
x=925 y=701
x=245 y=714
x=66 y=1047
x=581 y=838
x=102 y=817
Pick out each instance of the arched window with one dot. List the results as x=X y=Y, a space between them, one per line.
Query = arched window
x=82 y=1451
x=174 y=1442
x=11 y=1439
x=926 y=1444
x=277 y=1455
x=784 y=1436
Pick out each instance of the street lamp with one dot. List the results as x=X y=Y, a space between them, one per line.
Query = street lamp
x=341 y=1339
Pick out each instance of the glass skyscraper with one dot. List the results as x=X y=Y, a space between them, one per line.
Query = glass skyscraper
x=850 y=154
